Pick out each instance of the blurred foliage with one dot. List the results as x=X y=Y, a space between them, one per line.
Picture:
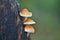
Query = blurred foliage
x=46 y=13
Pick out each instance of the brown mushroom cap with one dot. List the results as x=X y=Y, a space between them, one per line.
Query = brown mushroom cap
x=29 y=29
x=25 y=13
x=29 y=21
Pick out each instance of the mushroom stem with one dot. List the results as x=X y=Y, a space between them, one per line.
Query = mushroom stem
x=28 y=34
x=25 y=19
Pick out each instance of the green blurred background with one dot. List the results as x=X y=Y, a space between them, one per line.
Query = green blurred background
x=46 y=13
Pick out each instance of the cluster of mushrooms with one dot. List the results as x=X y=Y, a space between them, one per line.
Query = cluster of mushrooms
x=28 y=28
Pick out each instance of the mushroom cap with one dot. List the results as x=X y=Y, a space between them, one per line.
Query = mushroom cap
x=25 y=13
x=29 y=21
x=29 y=29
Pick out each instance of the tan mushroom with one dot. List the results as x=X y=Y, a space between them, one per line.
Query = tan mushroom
x=29 y=29
x=29 y=21
x=25 y=13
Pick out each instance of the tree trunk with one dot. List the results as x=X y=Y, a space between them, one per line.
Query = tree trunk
x=10 y=22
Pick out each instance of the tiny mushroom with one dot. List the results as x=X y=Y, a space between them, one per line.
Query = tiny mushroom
x=29 y=29
x=25 y=13
x=29 y=21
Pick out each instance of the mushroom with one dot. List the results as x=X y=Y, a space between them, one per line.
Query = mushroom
x=25 y=13
x=29 y=21
x=29 y=29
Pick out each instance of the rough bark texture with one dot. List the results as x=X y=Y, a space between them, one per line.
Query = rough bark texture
x=10 y=21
